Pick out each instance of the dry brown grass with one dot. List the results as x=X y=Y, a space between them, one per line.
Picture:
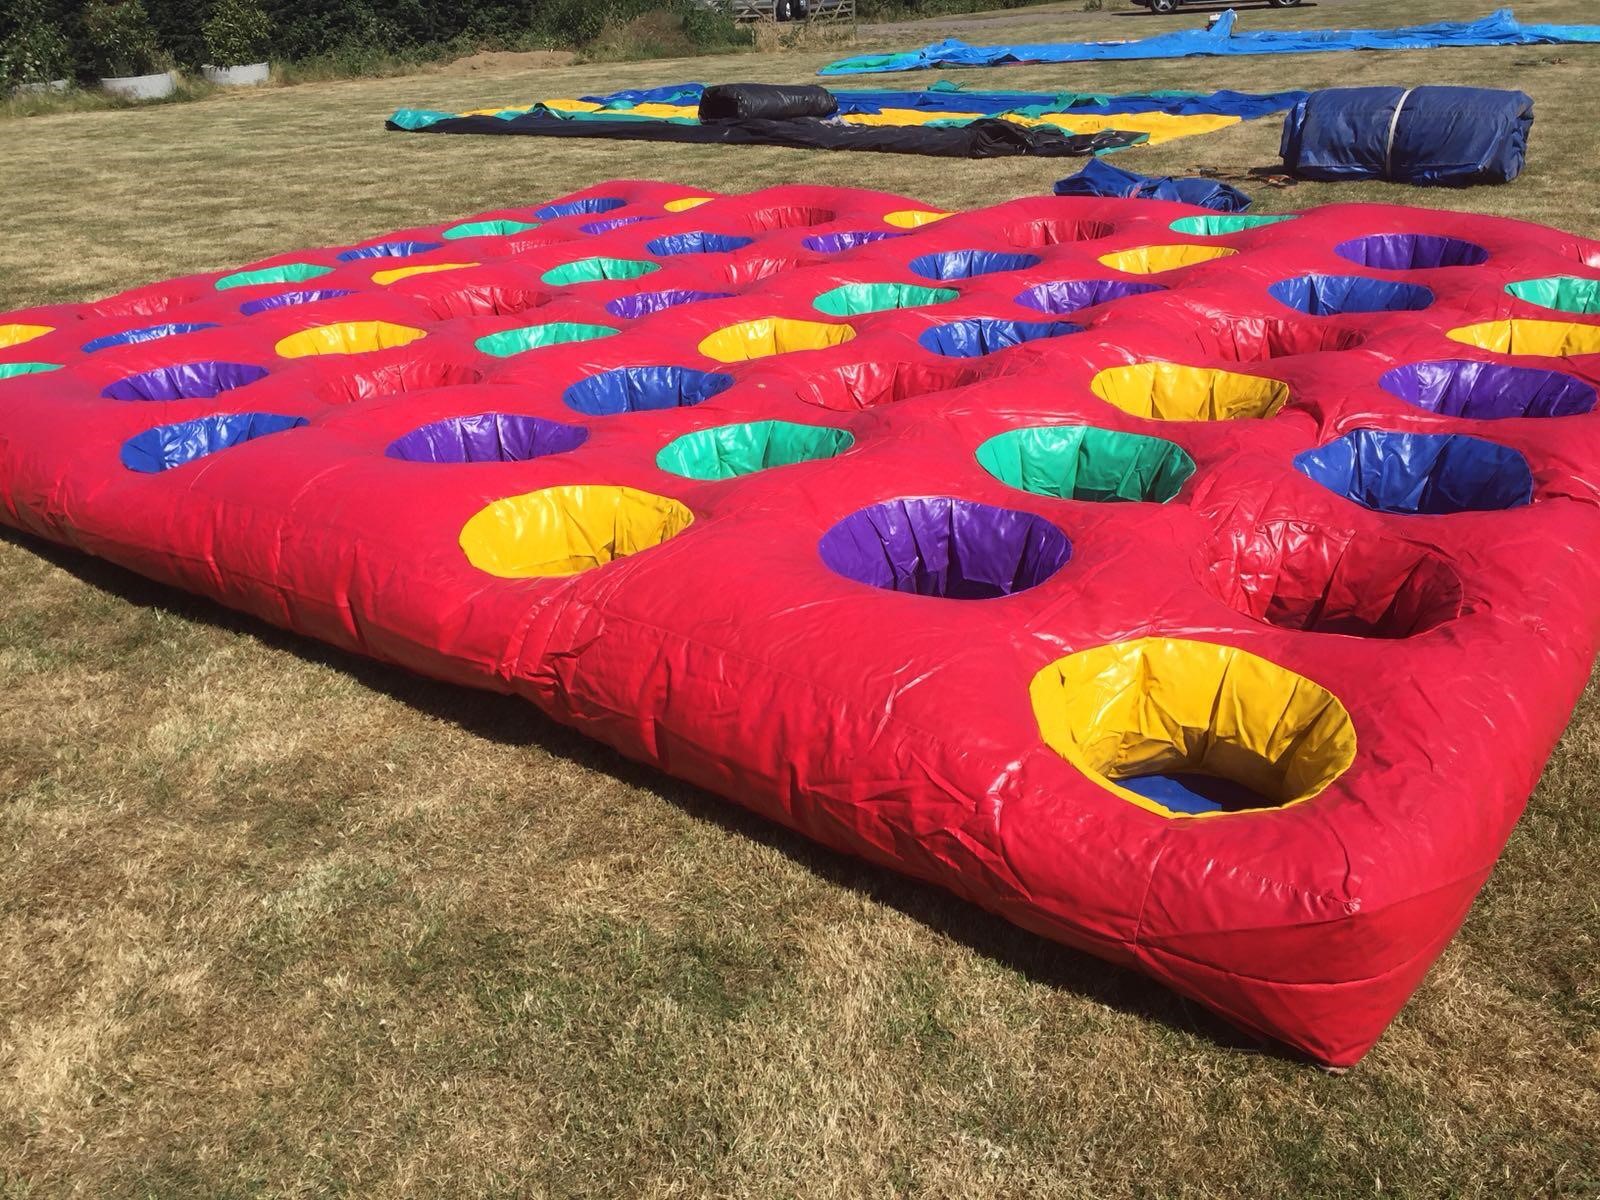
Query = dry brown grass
x=278 y=922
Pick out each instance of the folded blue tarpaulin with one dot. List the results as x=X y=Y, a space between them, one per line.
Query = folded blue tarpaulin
x=1498 y=29
x=1430 y=136
x=951 y=98
x=1102 y=179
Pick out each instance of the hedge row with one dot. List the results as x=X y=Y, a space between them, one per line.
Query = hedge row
x=311 y=29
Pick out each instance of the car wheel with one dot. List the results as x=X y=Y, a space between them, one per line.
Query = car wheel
x=1163 y=6
x=1284 y=3
x=801 y=10
x=782 y=10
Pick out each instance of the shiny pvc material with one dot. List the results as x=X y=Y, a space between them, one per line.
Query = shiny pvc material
x=1420 y=472
x=1216 y=638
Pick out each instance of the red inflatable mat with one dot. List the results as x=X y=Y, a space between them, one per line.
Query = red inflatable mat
x=1204 y=592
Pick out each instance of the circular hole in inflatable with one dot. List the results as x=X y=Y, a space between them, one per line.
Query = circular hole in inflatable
x=185 y=381
x=1153 y=260
x=132 y=337
x=642 y=304
x=1062 y=296
x=598 y=227
x=1260 y=339
x=559 y=531
x=1085 y=462
x=1563 y=293
x=1420 y=473
x=837 y=243
x=1218 y=224
x=401 y=249
x=1411 y=252
x=1487 y=391
x=1164 y=391
x=17 y=334
x=969 y=264
x=913 y=218
x=494 y=228
x=385 y=278
x=858 y=299
x=698 y=242
x=864 y=385
x=487 y=437
x=347 y=337
x=643 y=389
x=1302 y=575
x=534 y=337
x=296 y=272
x=942 y=546
x=1054 y=231
x=167 y=446
x=1544 y=339
x=1186 y=728
x=767 y=336
x=980 y=336
x=591 y=206
x=594 y=270
x=1330 y=295
x=787 y=216
x=15 y=370
x=729 y=451
x=291 y=300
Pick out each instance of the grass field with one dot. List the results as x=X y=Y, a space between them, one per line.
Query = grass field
x=279 y=922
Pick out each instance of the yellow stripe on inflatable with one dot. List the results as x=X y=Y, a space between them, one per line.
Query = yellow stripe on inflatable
x=772 y=335
x=1550 y=339
x=565 y=530
x=1165 y=391
x=685 y=203
x=913 y=218
x=1152 y=260
x=385 y=278
x=1162 y=127
x=347 y=337
x=15 y=335
x=1174 y=706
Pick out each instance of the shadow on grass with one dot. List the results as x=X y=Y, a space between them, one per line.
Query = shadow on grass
x=513 y=722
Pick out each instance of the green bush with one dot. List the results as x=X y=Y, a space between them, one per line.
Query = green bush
x=236 y=33
x=34 y=50
x=123 y=40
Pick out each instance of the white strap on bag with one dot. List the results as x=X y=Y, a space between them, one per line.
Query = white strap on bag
x=1394 y=124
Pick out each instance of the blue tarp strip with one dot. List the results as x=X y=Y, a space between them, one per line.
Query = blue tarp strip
x=1498 y=29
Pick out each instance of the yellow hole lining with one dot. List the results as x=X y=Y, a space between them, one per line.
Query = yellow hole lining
x=1549 y=339
x=559 y=531
x=913 y=218
x=385 y=278
x=767 y=336
x=347 y=337
x=1170 y=705
x=1152 y=260
x=685 y=203
x=15 y=335
x=1164 y=391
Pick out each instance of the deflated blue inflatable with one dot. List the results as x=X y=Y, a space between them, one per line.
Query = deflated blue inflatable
x=1498 y=29
x=1100 y=178
x=1430 y=136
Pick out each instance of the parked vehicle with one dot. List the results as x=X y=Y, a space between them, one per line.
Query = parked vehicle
x=1166 y=6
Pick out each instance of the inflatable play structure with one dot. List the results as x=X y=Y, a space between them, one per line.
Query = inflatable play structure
x=1221 y=38
x=1203 y=591
x=943 y=120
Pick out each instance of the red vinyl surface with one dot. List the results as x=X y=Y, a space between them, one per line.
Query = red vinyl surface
x=1412 y=654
